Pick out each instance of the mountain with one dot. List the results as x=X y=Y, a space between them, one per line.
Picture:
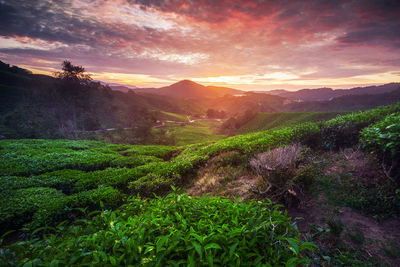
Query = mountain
x=234 y=105
x=189 y=89
x=323 y=94
x=272 y=92
x=347 y=102
x=121 y=88
x=41 y=106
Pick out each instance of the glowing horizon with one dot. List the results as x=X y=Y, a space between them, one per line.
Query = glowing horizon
x=243 y=45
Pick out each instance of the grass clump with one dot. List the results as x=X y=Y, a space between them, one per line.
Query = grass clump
x=356 y=235
x=336 y=227
x=391 y=248
x=285 y=174
x=173 y=230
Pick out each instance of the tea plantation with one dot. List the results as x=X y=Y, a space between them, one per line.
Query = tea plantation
x=59 y=185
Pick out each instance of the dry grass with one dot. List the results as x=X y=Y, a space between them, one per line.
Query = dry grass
x=279 y=169
x=220 y=176
x=277 y=159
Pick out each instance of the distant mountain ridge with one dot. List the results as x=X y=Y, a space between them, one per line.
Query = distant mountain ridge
x=121 y=88
x=347 y=102
x=324 y=94
x=191 y=90
x=188 y=89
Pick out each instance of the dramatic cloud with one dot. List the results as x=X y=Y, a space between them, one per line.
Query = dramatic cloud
x=241 y=43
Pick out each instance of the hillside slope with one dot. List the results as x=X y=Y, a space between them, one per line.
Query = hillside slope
x=348 y=102
x=188 y=89
x=266 y=121
x=323 y=94
x=48 y=181
x=41 y=106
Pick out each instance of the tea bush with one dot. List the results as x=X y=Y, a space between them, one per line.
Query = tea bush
x=18 y=207
x=72 y=167
x=383 y=139
x=343 y=131
x=175 y=230
x=27 y=157
x=34 y=207
x=156 y=151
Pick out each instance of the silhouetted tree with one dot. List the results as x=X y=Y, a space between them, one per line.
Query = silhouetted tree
x=73 y=73
x=74 y=95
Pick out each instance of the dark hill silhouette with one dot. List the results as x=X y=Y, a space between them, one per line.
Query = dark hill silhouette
x=323 y=94
x=120 y=88
x=41 y=106
x=234 y=105
x=347 y=102
x=189 y=89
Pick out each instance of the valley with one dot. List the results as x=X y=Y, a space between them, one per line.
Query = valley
x=145 y=179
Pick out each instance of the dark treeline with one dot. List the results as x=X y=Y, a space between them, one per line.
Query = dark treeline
x=72 y=105
x=230 y=126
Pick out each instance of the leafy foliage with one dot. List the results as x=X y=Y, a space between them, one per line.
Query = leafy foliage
x=174 y=230
x=267 y=121
x=383 y=138
x=73 y=167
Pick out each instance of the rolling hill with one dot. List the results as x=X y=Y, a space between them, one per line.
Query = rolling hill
x=249 y=101
x=265 y=121
x=188 y=89
x=41 y=106
x=323 y=94
x=347 y=102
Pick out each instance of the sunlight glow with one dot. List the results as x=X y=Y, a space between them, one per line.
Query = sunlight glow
x=139 y=80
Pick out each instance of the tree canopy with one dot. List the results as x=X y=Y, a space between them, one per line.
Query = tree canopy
x=73 y=73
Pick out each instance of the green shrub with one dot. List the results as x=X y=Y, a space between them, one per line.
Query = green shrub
x=76 y=166
x=62 y=209
x=174 y=230
x=116 y=177
x=156 y=151
x=28 y=157
x=93 y=199
x=383 y=139
x=19 y=206
x=343 y=131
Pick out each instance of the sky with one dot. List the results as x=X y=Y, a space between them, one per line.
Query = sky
x=248 y=45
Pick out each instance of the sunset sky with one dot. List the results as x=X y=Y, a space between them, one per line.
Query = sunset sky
x=249 y=45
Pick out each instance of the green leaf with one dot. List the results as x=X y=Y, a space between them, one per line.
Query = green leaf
x=232 y=249
x=294 y=246
x=212 y=245
x=160 y=242
x=197 y=247
x=113 y=261
x=307 y=246
x=291 y=262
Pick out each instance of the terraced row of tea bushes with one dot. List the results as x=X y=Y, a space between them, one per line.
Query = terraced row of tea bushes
x=175 y=230
x=27 y=157
x=340 y=132
x=48 y=164
x=343 y=131
x=44 y=180
x=38 y=206
x=266 y=121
